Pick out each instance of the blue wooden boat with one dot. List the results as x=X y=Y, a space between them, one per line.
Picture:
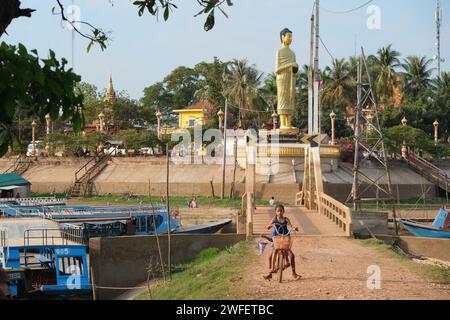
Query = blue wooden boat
x=211 y=227
x=439 y=229
x=108 y=221
x=38 y=268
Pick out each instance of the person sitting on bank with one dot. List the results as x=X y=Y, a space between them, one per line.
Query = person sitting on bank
x=272 y=201
x=194 y=204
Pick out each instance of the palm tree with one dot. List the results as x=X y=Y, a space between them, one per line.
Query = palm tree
x=339 y=85
x=241 y=86
x=441 y=106
x=269 y=91
x=441 y=84
x=417 y=74
x=385 y=63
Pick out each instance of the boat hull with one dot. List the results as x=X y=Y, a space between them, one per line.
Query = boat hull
x=424 y=231
x=207 y=228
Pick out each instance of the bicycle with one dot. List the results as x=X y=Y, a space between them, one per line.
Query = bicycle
x=283 y=245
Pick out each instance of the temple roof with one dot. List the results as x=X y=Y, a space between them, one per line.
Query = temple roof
x=110 y=93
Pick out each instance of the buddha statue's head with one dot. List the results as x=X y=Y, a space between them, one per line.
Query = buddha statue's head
x=286 y=37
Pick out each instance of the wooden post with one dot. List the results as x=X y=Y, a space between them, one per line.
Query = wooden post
x=94 y=289
x=250 y=211
x=233 y=184
x=224 y=164
x=149 y=191
x=250 y=176
x=212 y=188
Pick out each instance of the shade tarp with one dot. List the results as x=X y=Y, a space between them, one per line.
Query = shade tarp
x=12 y=179
x=10 y=187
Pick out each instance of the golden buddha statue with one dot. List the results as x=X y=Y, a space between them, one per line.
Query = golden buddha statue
x=286 y=70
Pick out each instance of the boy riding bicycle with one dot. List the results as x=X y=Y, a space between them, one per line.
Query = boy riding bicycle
x=280 y=225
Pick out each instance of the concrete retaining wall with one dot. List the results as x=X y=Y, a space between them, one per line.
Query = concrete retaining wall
x=123 y=175
x=427 y=247
x=124 y=261
x=376 y=222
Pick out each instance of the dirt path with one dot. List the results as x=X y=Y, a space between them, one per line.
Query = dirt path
x=336 y=268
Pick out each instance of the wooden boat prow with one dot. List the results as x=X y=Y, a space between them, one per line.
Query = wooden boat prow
x=439 y=229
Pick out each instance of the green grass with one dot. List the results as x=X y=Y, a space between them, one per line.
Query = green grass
x=213 y=275
x=432 y=273
x=175 y=201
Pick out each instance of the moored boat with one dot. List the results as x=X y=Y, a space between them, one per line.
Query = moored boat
x=439 y=229
x=47 y=264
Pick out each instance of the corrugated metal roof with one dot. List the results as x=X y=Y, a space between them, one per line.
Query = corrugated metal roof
x=8 y=179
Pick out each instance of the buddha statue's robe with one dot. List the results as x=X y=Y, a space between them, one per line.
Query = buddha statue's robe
x=285 y=63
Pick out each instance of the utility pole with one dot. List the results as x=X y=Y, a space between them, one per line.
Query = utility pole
x=169 y=253
x=316 y=129
x=224 y=164
x=311 y=81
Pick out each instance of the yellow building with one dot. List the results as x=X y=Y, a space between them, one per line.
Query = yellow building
x=189 y=118
x=195 y=115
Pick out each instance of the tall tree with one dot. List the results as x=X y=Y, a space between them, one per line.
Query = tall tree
x=34 y=87
x=338 y=87
x=441 y=103
x=210 y=84
x=417 y=75
x=338 y=93
x=242 y=83
x=269 y=91
x=385 y=63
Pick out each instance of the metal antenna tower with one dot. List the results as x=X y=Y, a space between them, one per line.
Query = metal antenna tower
x=369 y=140
x=438 y=35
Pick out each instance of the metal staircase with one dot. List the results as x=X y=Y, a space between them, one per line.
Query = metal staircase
x=84 y=177
x=20 y=166
x=429 y=171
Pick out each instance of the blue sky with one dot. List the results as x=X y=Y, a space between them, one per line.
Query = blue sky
x=143 y=50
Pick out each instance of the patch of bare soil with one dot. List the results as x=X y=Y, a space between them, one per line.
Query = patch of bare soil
x=337 y=268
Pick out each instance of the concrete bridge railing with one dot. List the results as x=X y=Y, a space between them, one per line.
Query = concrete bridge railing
x=336 y=211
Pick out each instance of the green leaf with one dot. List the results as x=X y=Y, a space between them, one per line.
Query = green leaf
x=166 y=13
x=210 y=21
x=89 y=47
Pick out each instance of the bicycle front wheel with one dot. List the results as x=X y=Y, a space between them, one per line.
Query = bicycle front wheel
x=280 y=266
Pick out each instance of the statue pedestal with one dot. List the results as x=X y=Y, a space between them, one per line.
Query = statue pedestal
x=287 y=131
x=279 y=152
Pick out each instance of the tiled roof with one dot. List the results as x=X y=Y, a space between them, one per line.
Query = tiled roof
x=203 y=104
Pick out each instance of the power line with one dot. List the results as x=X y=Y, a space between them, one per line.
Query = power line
x=328 y=51
x=347 y=11
x=249 y=110
x=313 y=7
